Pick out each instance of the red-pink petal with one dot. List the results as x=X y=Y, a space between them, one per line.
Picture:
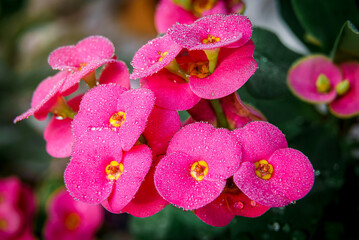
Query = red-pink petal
x=175 y=184
x=216 y=213
x=303 y=75
x=259 y=140
x=148 y=59
x=116 y=72
x=171 y=91
x=58 y=134
x=348 y=104
x=229 y=28
x=88 y=50
x=162 y=124
x=147 y=200
x=136 y=163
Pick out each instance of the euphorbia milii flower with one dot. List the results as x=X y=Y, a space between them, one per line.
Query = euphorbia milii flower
x=154 y=56
x=100 y=172
x=45 y=97
x=213 y=31
x=114 y=108
x=81 y=60
x=314 y=78
x=198 y=162
x=58 y=134
x=169 y=12
x=317 y=80
x=232 y=202
x=70 y=219
x=347 y=102
x=17 y=209
x=271 y=174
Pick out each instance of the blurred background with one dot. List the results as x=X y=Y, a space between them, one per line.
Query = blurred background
x=31 y=29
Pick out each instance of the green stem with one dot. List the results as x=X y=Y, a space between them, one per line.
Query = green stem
x=221 y=118
x=175 y=68
x=212 y=55
x=90 y=79
x=62 y=109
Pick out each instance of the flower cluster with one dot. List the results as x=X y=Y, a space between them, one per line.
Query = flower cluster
x=131 y=153
x=316 y=79
x=17 y=210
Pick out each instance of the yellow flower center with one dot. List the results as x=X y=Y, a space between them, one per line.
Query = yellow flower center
x=114 y=170
x=323 y=84
x=163 y=55
x=72 y=221
x=199 y=69
x=342 y=87
x=3 y=224
x=117 y=119
x=263 y=169
x=211 y=39
x=199 y=170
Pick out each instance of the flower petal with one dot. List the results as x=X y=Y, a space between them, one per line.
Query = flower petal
x=259 y=140
x=348 y=104
x=171 y=91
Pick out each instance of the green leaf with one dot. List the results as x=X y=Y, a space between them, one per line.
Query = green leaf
x=323 y=19
x=173 y=223
x=273 y=60
x=346 y=46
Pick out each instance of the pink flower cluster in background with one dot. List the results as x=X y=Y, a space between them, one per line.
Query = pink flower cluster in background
x=131 y=153
x=316 y=79
x=17 y=210
x=69 y=219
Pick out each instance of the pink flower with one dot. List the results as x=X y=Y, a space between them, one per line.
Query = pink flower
x=199 y=159
x=45 y=97
x=232 y=202
x=234 y=67
x=82 y=59
x=154 y=56
x=213 y=31
x=70 y=219
x=17 y=210
x=168 y=12
x=100 y=172
x=316 y=79
x=313 y=79
x=58 y=134
x=112 y=107
x=271 y=174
